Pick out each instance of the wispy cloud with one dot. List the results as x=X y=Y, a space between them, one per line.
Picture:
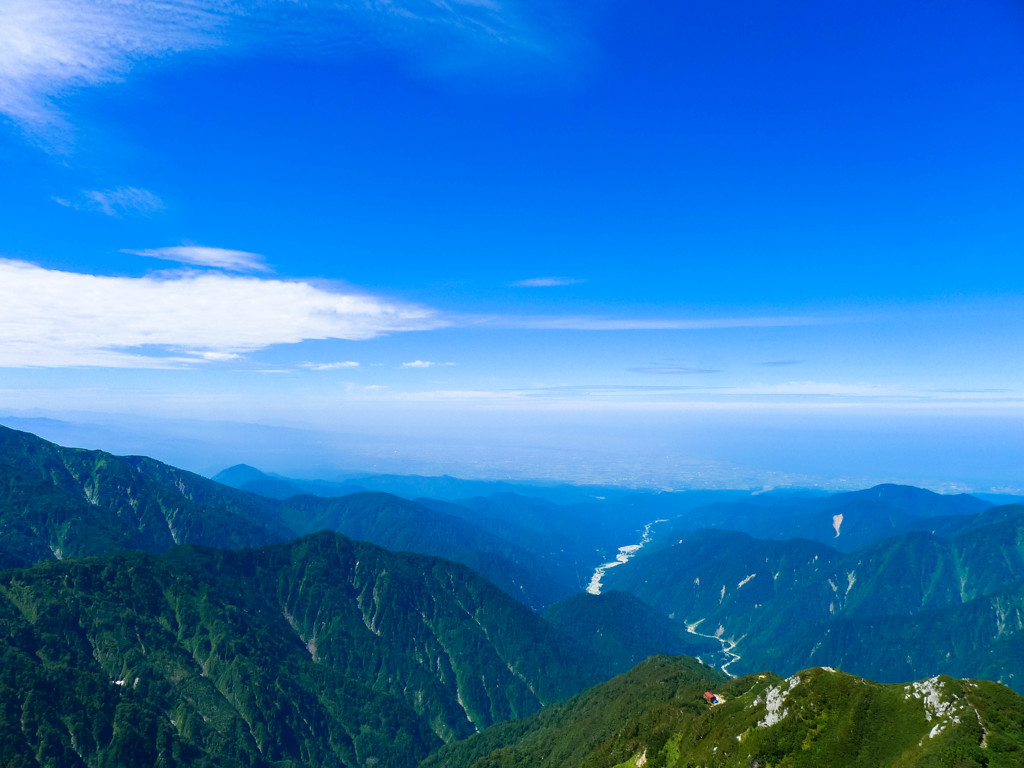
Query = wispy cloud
x=788 y=396
x=827 y=389
x=423 y=364
x=331 y=366
x=60 y=319
x=49 y=48
x=673 y=370
x=617 y=388
x=591 y=323
x=985 y=391
x=202 y=256
x=115 y=202
x=546 y=282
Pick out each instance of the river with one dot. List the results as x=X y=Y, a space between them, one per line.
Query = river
x=625 y=553
x=727 y=646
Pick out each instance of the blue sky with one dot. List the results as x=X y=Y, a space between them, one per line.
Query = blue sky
x=716 y=239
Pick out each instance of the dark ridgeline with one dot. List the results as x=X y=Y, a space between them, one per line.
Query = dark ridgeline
x=60 y=502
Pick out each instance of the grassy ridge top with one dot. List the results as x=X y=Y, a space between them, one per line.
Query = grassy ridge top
x=655 y=716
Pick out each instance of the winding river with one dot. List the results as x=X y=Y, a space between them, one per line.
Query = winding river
x=728 y=646
x=625 y=553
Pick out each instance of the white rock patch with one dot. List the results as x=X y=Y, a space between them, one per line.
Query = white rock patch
x=943 y=712
x=775 y=702
x=746 y=580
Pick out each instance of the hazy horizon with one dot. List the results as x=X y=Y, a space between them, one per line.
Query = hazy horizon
x=647 y=459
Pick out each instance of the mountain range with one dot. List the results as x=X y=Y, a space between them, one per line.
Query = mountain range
x=150 y=616
x=845 y=521
x=953 y=600
x=60 y=502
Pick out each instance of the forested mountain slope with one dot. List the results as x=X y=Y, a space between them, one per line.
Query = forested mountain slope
x=952 y=601
x=622 y=631
x=321 y=652
x=403 y=525
x=60 y=502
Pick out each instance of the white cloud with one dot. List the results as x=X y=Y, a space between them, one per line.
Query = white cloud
x=786 y=397
x=673 y=369
x=827 y=389
x=546 y=282
x=115 y=202
x=58 y=319
x=202 y=256
x=331 y=366
x=49 y=48
x=591 y=323
x=423 y=364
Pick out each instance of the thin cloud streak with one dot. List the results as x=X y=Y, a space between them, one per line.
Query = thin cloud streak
x=423 y=364
x=546 y=282
x=331 y=366
x=586 y=323
x=668 y=370
x=202 y=256
x=730 y=400
x=115 y=202
x=795 y=395
x=65 y=319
